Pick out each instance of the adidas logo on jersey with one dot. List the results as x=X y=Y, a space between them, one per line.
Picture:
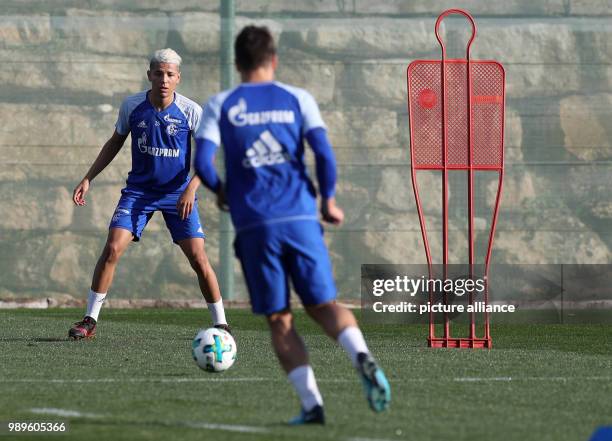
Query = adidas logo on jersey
x=142 y=125
x=265 y=151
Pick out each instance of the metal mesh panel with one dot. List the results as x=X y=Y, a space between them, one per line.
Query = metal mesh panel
x=456 y=114
x=425 y=112
x=487 y=114
x=424 y=86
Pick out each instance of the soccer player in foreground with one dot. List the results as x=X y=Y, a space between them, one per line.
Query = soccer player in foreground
x=262 y=125
x=161 y=123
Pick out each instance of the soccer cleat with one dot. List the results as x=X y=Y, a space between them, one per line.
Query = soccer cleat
x=375 y=384
x=313 y=416
x=225 y=327
x=86 y=328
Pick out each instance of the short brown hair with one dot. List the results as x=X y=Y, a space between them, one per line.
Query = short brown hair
x=254 y=47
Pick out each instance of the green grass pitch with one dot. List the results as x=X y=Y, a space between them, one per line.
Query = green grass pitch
x=137 y=380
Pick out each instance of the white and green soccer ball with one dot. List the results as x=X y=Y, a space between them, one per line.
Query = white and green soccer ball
x=214 y=350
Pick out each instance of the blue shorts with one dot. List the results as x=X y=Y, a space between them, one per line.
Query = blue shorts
x=136 y=208
x=270 y=255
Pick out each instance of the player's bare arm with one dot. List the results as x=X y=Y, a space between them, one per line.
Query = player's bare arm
x=186 y=201
x=105 y=157
x=330 y=212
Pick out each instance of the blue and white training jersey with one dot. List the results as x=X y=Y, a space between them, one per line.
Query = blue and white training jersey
x=161 y=142
x=262 y=127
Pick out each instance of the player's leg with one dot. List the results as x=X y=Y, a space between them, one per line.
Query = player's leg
x=311 y=273
x=189 y=235
x=293 y=357
x=332 y=317
x=261 y=256
x=288 y=345
x=128 y=222
x=116 y=243
x=340 y=324
x=196 y=254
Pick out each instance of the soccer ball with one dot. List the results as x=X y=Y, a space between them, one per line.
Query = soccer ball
x=214 y=349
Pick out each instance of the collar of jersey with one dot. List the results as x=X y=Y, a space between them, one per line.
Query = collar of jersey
x=259 y=83
x=153 y=107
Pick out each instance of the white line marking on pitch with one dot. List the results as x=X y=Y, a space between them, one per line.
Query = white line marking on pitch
x=262 y=379
x=479 y=379
x=206 y=380
x=485 y=379
x=360 y=438
x=131 y=380
x=212 y=426
x=63 y=412
x=227 y=427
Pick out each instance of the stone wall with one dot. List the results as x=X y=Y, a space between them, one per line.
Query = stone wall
x=66 y=66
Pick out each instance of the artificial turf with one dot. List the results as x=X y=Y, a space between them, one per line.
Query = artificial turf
x=137 y=380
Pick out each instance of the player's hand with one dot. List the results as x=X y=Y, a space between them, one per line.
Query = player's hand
x=331 y=212
x=185 y=203
x=78 y=195
x=222 y=199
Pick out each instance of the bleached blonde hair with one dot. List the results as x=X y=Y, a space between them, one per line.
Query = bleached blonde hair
x=165 y=56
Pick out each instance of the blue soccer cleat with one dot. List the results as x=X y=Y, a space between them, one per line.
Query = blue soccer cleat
x=375 y=384
x=313 y=416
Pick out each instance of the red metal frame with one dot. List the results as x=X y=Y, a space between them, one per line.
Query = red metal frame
x=484 y=126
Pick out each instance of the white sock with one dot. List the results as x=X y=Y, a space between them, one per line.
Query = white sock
x=94 y=303
x=304 y=383
x=351 y=339
x=217 y=312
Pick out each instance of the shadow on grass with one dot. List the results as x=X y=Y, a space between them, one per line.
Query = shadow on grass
x=35 y=339
x=51 y=339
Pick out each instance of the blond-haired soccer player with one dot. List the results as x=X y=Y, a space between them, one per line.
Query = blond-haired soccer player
x=161 y=123
x=262 y=125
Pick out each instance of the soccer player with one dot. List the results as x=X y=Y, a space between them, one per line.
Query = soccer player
x=161 y=123
x=262 y=125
